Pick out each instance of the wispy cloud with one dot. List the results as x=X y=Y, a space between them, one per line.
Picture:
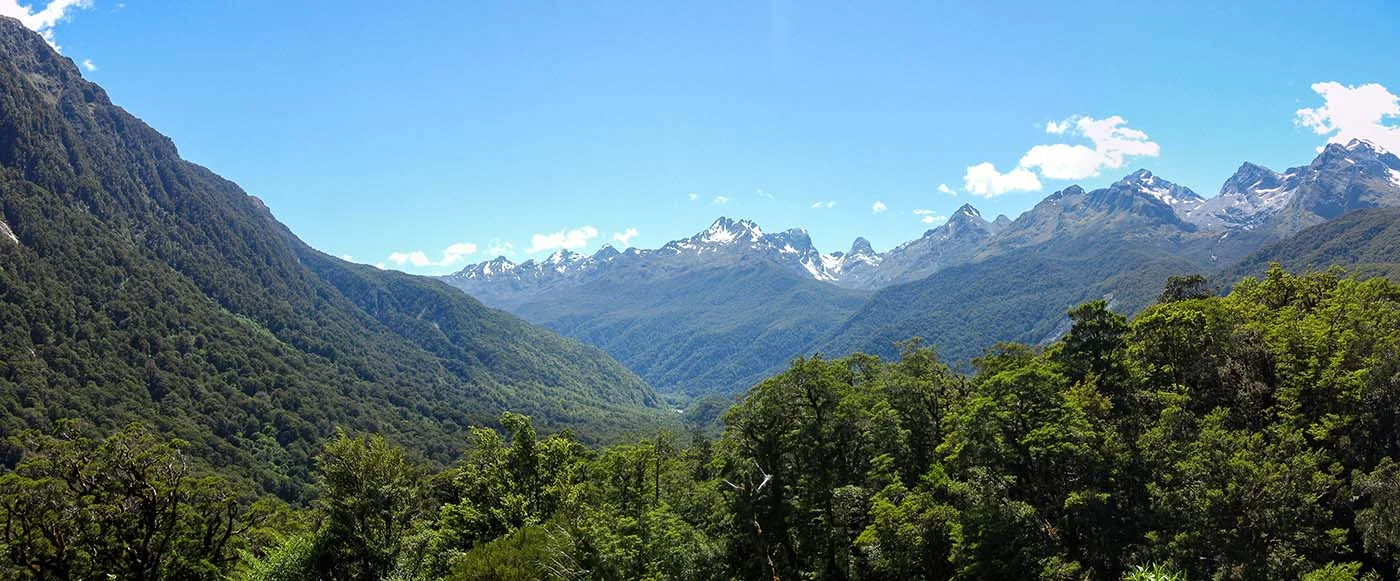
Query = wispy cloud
x=878 y=207
x=763 y=194
x=943 y=188
x=720 y=200
x=44 y=19
x=692 y=196
x=1358 y=112
x=451 y=255
x=347 y=258
x=88 y=66
x=625 y=237
x=928 y=216
x=498 y=247
x=562 y=240
x=826 y=204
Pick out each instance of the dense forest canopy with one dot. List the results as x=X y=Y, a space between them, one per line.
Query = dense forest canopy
x=1246 y=436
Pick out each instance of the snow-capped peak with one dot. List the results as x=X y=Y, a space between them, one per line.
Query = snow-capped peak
x=725 y=231
x=1363 y=145
x=561 y=259
x=1178 y=197
x=497 y=266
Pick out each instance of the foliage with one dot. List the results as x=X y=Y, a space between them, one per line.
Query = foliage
x=141 y=287
x=129 y=506
x=1248 y=436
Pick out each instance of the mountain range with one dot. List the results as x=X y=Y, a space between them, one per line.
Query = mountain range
x=659 y=311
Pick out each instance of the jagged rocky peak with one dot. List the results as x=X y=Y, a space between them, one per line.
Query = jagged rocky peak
x=1250 y=178
x=498 y=264
x=1179 y=197
x=1357 y=157
x=791 y=241
x=607 y=252
x=968 y=211
x=1069 y=192
x=798 y=235
x=725 y=230
x=1000 y=223
x=1355 y=151
x=861 y=247
x=967 y=218
x=564 y=257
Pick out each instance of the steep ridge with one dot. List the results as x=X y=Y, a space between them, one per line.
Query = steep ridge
x=138 y=286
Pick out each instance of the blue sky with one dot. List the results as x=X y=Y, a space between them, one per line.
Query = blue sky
x=460 y=127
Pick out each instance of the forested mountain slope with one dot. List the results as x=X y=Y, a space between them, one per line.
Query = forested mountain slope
x=1366 y=242
x=136 y=285
x=1021 y=296
x=704 y=331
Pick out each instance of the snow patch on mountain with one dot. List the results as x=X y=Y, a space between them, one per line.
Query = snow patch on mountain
x=1180 y=199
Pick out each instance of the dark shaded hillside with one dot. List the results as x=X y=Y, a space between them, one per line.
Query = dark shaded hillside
x=1021 y=296
x=1366 y=242
x=141 y=286
x=709 y=331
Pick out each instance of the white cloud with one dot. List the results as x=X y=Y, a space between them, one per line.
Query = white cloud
x=763 y=194
x=1358 y=112
x=933 y=218
x=563 y=239
x=878 y=207
x=1062 y=162
x=826 y=204
x=43 y=20
x=1114 y=142
x=498 y=247
x=379 y=265
x=693 y=196
x=625 y=237
x=456 y=253
x=720 y=200
x=943 y=188
x=347 y=258
x=451 y=255
x=923 y=212
x=87 y=64
x=984 y=180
